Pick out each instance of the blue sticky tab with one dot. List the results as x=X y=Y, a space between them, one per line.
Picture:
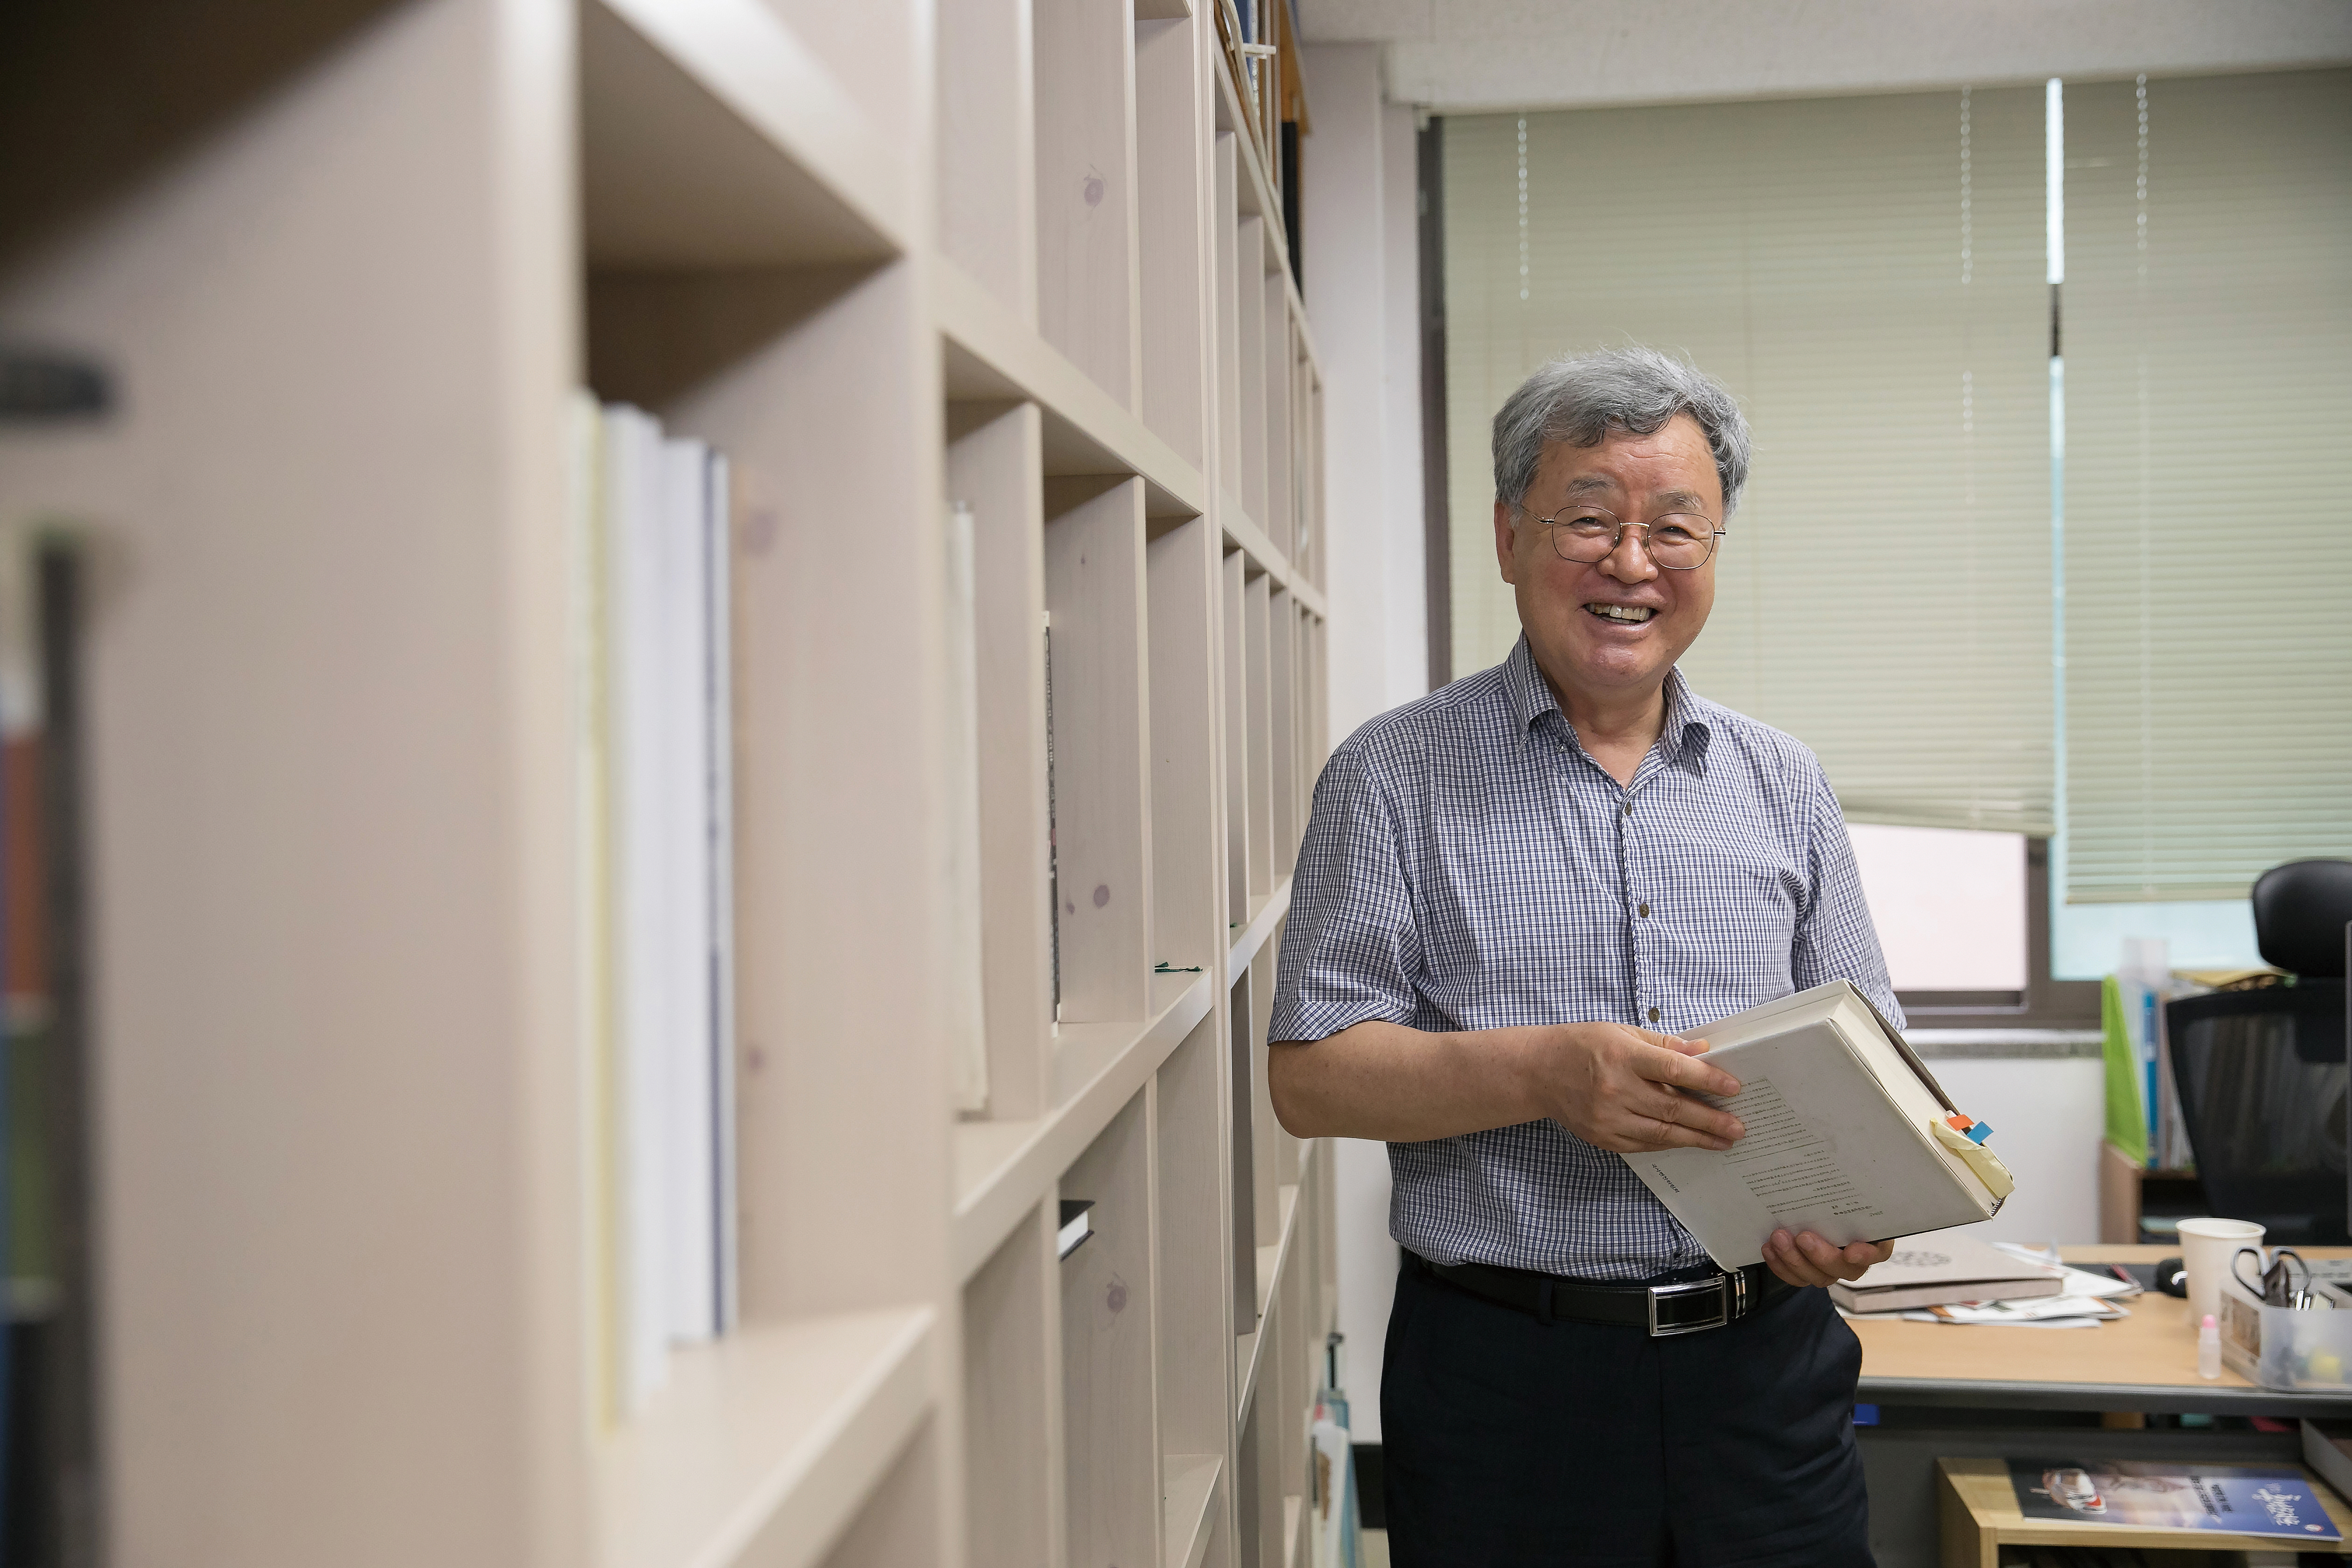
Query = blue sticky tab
x=1980 y=1131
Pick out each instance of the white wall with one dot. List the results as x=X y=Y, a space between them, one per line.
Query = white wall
x=2047 y=1117
x=1359 y=232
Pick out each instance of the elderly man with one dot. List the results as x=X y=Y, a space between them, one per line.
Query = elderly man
x=1517 y=901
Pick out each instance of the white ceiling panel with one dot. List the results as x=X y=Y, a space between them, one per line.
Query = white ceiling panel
x=1471 y=55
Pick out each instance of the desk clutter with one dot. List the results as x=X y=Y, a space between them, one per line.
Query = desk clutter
x=1950 y=1276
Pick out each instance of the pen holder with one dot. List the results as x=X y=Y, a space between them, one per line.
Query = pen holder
x=2302 y=1348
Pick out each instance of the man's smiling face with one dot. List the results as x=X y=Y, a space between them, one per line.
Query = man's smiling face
x=1612 y=627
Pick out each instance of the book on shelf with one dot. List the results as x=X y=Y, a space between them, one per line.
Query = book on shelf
x=1848 y=1135
x=2189 y=1496
x=49 y=1352
x=1077 y=1224
x=1939 y=1270
x=967 y=1025
x=651 y=516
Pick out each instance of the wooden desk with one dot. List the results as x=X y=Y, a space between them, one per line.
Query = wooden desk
x=2145 y=1361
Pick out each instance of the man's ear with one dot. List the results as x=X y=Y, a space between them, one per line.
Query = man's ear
x=1506 y=541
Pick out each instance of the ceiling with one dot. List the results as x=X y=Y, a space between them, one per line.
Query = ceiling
x=1470 y=55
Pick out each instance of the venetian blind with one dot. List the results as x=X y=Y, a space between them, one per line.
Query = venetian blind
x=2208 y=340
x=1867 y=274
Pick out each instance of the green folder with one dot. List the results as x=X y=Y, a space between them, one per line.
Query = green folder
x=2127 y=1117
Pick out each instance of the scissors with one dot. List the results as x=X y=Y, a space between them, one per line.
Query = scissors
x=2275 y=1285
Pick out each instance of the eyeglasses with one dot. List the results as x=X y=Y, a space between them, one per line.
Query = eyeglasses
x=1679 y=541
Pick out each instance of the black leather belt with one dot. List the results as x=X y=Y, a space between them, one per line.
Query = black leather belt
x=1684 y=1307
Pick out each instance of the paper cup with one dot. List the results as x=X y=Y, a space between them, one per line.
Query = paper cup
x=2206 y=1247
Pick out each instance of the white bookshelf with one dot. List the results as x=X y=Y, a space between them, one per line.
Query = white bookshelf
x=1024 y=254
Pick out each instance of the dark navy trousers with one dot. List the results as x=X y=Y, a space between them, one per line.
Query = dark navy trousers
x=1507 y=1441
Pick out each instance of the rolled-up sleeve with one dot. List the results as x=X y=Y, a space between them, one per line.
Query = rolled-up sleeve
x=1835 y=940
x=1350 y=948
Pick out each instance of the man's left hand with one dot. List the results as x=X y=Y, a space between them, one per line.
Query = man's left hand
x=1807 y=1259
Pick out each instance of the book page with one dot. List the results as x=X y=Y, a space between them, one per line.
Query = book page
x=1785 y=1165
x=1825 y=1150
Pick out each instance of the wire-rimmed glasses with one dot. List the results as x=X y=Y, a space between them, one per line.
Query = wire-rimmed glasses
x=1678 y=541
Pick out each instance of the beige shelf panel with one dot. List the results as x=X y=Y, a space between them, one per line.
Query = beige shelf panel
x=1109 y=1290
x=1002 y=1168
x=1272 y=1259
x=987 y=151
x=712 y=137
x=1195 y=1320
x=1246 y=536
x=1191 y=1490
x=1265 y=915
x=1089 y=274
x=991 y=355
x=763 y=1444
x=1012 y=1340
x=1171 y=205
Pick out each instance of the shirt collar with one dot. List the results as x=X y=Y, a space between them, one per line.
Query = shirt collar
x=1686 y=734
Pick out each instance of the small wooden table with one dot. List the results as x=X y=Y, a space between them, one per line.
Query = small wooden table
x=2145 y=1361
x=1978 y=1515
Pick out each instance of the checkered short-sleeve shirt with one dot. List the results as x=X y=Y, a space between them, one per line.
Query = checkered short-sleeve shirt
x=1467 y=866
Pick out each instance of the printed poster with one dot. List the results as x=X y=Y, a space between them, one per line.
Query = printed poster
x=2241 y=1500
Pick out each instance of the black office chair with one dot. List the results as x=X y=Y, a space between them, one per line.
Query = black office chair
x=2262 y=1075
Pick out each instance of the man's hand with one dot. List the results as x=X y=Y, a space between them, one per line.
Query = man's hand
x=1625 y=1089
x=1807 y=1259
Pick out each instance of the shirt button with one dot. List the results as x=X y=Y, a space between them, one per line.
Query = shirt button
x=1629 y=808
x=1645 y=912
x=1653 y=1015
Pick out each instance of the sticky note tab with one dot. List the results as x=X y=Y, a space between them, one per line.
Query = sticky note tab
x=1983 y=1162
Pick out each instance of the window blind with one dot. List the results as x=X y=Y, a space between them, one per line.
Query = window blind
x=1867 y=275
x=2208 y=342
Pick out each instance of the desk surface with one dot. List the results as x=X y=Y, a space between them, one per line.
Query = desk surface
x=2144 y=1362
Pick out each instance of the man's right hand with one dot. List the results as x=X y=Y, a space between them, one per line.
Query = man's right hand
x=1624 y=1089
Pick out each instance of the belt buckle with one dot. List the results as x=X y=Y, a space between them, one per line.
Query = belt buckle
x=1676 y=1321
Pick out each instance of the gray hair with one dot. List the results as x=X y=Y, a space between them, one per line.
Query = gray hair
x=1581 y=398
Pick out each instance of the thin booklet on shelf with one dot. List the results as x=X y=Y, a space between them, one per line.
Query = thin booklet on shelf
x=1849 y=1135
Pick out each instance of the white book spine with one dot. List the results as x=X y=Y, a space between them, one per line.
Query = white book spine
x=690 y=1227
x=718 y=668
x=592 y=852
x=968 y=1042
x=636 y=489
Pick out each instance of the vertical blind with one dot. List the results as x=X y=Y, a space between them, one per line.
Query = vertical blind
x=1867 y=275
x=2208 y=343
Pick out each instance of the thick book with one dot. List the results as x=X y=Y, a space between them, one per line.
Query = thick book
x=1842 y=1135
x=1939 y=1270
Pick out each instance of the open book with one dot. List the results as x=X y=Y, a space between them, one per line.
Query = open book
x=1849 y=1135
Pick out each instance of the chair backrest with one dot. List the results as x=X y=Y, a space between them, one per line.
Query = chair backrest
x=2262 y=1081
x=2300 y=912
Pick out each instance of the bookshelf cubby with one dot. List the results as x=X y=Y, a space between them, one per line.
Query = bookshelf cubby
x=1021 y=255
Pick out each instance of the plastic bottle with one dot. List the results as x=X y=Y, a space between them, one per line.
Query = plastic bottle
x=2208 y=1348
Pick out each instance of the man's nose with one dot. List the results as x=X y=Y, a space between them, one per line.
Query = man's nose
x=1630 y=561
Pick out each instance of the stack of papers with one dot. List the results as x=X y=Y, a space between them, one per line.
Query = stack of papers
x=2081 y=1298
